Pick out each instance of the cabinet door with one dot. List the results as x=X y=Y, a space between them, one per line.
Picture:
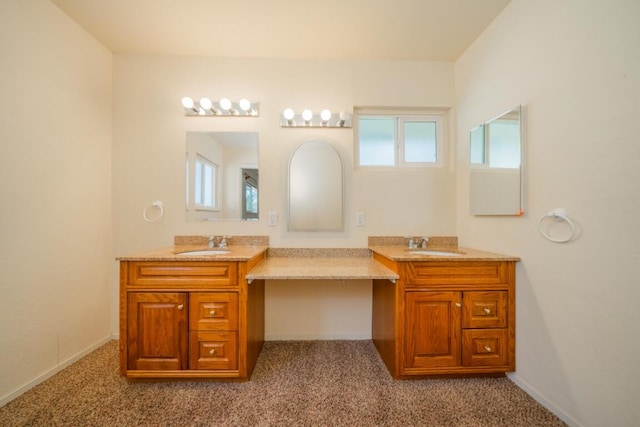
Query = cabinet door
x=432 y=329
x=157 y=331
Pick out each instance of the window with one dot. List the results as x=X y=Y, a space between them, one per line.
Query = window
x=504 y=143
x=203 y=190
x=385 y=140
x=496 y=144
x=250 y=193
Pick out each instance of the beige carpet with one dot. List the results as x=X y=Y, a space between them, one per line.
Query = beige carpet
x=297 y=383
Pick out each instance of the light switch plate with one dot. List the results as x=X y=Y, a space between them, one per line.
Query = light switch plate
x=359 y=219
x=272 y=218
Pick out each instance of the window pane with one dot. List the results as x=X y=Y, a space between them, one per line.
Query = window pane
x=477 y=145
x=251 y=199
x=198 y=184
x=204 y=183
x=504 y=151
x=419 y=142
x=377 y=141
x=208 y=185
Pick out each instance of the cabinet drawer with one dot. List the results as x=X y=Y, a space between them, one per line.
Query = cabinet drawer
x=213 y=311
x=460 y=273
x=192 y=274
x=213 y=350
x=484 y=347
x=484 y=309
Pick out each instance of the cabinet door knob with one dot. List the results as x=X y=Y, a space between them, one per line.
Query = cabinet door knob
x=458 y=305
x=486 y=310
x=212 y=312
x=181 y=306
x=487 y=348
x=212 y=351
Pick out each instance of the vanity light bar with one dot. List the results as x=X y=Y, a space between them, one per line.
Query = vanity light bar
x=325 y=119
x=222 y=108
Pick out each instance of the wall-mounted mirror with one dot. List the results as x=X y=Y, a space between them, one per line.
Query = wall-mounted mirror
x=496 y=166
x=222 y=176
x=315 y=188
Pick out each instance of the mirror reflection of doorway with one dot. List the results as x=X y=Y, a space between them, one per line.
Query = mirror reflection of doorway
x=249 y=193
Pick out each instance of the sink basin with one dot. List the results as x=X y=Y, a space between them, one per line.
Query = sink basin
x=205 y=252
x=434 y=253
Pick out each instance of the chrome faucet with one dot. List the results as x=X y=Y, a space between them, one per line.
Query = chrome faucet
x=212 y=241
x=224 y=243
x=413 y=242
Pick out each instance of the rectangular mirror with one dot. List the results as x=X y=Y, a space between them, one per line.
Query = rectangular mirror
x=496 y=166
x=222 y=176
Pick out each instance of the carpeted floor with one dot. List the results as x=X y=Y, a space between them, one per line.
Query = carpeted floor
x=296 y=383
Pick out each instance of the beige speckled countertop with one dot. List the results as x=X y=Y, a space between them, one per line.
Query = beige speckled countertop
x=318 y=263
x=319 y=267
x=402 y=253
x=345 y=264
x=172 y=253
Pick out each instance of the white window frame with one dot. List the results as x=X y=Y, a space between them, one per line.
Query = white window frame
x=191 y=176
x=401 y=117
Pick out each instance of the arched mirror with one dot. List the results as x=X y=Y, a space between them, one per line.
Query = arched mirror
x=315 y=188
x=496 y=166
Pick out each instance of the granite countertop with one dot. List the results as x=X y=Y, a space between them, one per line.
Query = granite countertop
x=321 y=267
x=172 y=253
x=402 y=253
x=318 y=263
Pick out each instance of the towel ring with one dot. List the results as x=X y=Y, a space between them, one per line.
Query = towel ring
x=158 y=205
x=557 y=215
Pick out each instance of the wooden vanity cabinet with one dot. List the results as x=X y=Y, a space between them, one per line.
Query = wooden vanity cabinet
x=190 y=319
x=446 y=317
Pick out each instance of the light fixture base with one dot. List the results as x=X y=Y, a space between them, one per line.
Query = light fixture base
x=208 y=108
x=337 y=120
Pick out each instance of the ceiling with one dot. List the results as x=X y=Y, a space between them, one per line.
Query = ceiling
x=301 y=29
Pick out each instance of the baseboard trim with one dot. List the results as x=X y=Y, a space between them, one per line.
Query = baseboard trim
x=317 y=337
x=51 y=372
x=541 y=399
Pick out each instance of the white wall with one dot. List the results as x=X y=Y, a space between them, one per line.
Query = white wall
x=149 y=146
x=55 y=172
x=575 y=66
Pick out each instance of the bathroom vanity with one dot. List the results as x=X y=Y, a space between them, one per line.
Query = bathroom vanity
x=191 y=315
x=191 y=312
x=445 y=315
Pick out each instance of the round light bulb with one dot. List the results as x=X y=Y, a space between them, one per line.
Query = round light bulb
x=325 y=115
x=307 y=115
x=245 y=104
x=187 y=102
x=289 y=114
x=225 y=104
x=344 y=115
x=206 y=103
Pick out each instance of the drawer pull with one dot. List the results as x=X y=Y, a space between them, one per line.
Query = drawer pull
x=181 y=306
x=458 y=305
x=487 y=348
x=212 y=351
x=486 y=310
x=212 y=312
